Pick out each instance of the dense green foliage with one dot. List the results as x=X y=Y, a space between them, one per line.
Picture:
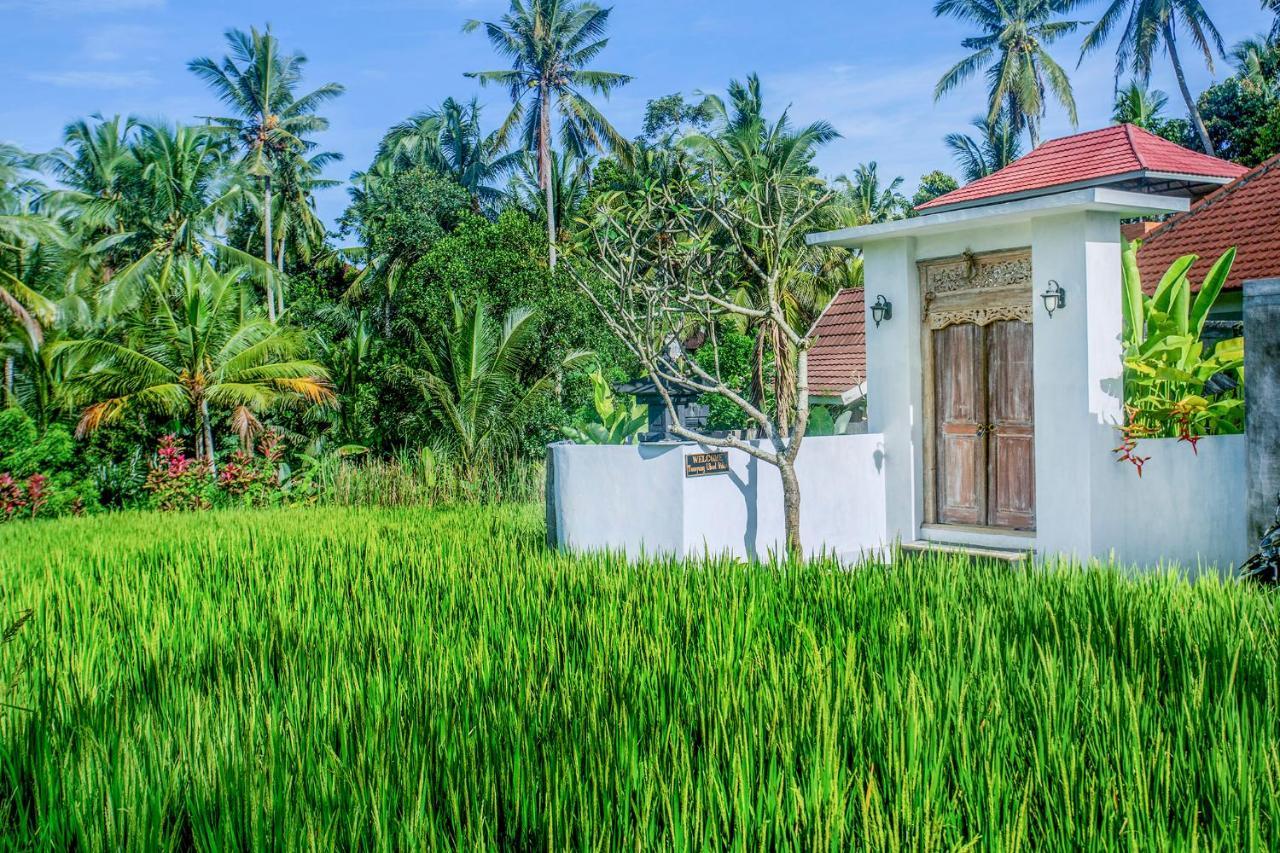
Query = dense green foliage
x=410 y=679
x=174 y=278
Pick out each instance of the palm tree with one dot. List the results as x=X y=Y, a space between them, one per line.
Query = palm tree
x=183 y=192
x=996 y=147
x=22 y=232
x=1257 y=61
x=1140 y=106
x=864 y=200
x=449 y=140
x=1274 y=7
x=297 y=224
x=1150 y=26
x=475 y=389
x=570 y=178
x=1012 y=47
x=97 y=167
x=190 y=348
x=258 y=81
x=550 y=44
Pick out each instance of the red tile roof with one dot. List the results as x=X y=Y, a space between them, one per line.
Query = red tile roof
x=838 y=359
x=1244 y=214
x=1112 y=152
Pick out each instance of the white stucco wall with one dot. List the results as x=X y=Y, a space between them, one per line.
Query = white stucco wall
x=1087 y=505
x=627 y=499
x=638 y=500
x=1187 y=509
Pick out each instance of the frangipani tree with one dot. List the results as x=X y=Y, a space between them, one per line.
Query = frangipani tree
x=662 y=260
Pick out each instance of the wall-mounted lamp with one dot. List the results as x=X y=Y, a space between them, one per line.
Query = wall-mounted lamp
x=882 y=310
x=1054 y=298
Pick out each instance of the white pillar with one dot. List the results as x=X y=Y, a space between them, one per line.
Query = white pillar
x=894 y=381
x=1078 y=378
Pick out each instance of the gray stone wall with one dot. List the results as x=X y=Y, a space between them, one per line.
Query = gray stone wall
x=1262 y=401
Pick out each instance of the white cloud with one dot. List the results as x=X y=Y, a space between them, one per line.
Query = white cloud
x=94 y=79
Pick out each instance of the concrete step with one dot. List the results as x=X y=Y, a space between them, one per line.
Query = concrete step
x=1012 y=556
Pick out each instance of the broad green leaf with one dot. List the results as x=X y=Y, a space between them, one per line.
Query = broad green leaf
x=1210 y=289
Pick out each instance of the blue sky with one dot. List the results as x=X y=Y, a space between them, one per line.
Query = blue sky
x=867 y=67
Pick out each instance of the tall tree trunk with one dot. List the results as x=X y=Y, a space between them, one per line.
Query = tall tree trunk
x=268 y=245
x=757 y=396
x=544 y=170
x=280 y=284
x=8 y=380
x=1192 y=108
x=791 y=508
x=783 y=376
x=208 y=435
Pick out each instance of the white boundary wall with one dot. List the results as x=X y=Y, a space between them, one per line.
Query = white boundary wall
x=1188 y=508
x=636 y=499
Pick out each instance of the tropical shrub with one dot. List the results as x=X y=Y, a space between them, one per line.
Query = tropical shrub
x=1173 y=387
x=38 y=471
x=477 y=389
x=611 y=420
x=254 y=480
x=179 y=482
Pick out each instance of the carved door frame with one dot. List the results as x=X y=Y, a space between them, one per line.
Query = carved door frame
x=970 y=288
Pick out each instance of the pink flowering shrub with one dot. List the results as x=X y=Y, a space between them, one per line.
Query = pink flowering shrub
x=255 y=480
x=19 y=499
x=180 y=482
x=177 y=481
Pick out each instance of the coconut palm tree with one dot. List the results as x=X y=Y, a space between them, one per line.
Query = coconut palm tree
x=183 y=191
x=474 y=385
x=1140 y=106
x=864 y=200
x=995 y=147
x=448 y=139
x=1012 y=47
x=97 y=169
x=22 y=232
x=258 y=81
x=1151 y=26
x=1257 y=61
x=550 y=44
x=192 y=349
x=297 y=226
x=570 y=178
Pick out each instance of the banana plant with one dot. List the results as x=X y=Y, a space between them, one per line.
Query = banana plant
x=614 y=422
x=1173 y=386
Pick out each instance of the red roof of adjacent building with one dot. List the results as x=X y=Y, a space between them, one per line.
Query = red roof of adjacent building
x=1109 y=155
x=838 y=359
x=1244 y=214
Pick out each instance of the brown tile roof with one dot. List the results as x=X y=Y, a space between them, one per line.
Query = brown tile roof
x=1244 y=214
x=1094 y=156
x=838 y=359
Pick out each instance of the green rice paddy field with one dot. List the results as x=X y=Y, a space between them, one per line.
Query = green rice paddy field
x=410 y=679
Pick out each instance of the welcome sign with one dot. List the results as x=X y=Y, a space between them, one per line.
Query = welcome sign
x=706 y=464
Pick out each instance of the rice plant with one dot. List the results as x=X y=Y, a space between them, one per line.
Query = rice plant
x=409 y=678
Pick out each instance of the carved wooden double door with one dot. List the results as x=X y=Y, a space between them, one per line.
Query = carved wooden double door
x=980 y=396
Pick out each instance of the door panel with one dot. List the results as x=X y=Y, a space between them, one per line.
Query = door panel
x=1011 y=419
x=959 y=398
